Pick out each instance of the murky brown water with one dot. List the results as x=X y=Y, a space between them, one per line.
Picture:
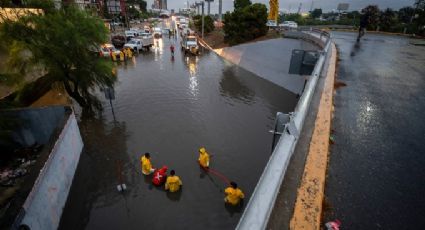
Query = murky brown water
x=170 y=108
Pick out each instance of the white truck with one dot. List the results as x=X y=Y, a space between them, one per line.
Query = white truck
x=189 y=44
x=144 y=41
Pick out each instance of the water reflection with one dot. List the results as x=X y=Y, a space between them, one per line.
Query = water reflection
x=100 y=161
x=232 y=209
x=231 y=86
x=192 y=63
x=175 y=196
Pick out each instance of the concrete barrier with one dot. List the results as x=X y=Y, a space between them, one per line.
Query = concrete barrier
x=44 y=204
x=261 y=203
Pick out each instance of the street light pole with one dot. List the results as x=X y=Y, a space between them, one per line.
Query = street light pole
x=202 y=19
x=220 y=16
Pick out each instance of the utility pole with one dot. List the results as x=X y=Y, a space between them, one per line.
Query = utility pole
x=299 y=8
x=202 y=19
x=209 y=7
x=220 y=16
x=311 y=6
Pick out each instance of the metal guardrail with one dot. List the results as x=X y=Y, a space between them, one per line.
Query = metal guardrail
x=260 y=206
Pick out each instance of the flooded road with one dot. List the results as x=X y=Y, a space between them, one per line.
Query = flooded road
x=169 y=108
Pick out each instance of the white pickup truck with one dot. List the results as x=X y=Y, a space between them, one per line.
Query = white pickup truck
x=143 y=41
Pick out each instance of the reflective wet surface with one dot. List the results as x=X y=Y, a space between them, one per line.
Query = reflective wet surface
x=170 y=107
x=376 y=169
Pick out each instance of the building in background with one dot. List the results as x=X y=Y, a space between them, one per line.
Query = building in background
x=159 y=5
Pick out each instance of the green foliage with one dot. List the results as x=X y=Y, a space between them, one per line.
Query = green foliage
x=64 y=42
x=387 y=19
x=208 y=23
x=245 y=24
x=371 y=12
x=240 y=4
x=316 y=13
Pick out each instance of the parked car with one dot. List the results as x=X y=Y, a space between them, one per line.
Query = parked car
x=271 y=23
x=289 y=25
x=118 y=41
x=106 y=49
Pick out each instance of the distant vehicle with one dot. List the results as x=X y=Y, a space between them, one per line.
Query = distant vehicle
x=189 y=44
x=118 y=41
x=116 y=24
x=271 y=23
x=129 y=34
x=289 y=25
x=145 y=41
x=157 y=32
x=106 y=49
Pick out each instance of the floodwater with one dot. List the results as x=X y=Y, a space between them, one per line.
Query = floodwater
x=169 y=108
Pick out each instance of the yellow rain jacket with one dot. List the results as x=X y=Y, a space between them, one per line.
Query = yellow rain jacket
x=173 y=183
x=146 y=165
x=233 y=196
x=204 y=158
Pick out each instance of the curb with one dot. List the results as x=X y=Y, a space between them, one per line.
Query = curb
x=308 y=205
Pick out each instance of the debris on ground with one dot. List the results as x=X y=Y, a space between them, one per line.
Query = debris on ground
x=333 y=225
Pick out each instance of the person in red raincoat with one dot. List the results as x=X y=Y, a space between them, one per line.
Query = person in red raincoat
x=159 y=176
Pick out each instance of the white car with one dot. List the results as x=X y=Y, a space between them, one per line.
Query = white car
x=106 y=49
x=289 y=25
x=271 y=23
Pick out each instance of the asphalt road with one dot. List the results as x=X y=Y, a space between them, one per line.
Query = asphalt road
x=376 y=175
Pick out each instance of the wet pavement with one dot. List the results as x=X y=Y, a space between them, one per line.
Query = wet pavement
x=376 y=170
x=170 y=107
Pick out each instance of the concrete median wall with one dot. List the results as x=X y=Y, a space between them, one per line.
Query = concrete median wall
x=43 y=206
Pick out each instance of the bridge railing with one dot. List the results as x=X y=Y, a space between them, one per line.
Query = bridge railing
x=261 y=203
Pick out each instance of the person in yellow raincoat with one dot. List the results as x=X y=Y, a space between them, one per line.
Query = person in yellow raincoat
x=146 y=164
x=173 y=182
x=204 y=158
x=233 y=194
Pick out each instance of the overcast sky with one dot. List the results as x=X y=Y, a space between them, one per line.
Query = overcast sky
x=292 y=5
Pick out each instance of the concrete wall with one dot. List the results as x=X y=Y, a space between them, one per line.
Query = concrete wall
x=269 y=59
x=43 y=207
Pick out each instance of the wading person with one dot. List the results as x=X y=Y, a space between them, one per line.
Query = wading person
x=364 y=21
x=172 y=50
x=233 y=194
x=204 y=158
x=173 y=182
x=146 y=164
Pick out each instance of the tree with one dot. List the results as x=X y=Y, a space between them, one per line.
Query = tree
x=405 y=14
x=64 y=42
x=387 y=19
x=240 y=4
x=316 y=13
x=371 y=12
x=245 y=24
x=208 y=23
